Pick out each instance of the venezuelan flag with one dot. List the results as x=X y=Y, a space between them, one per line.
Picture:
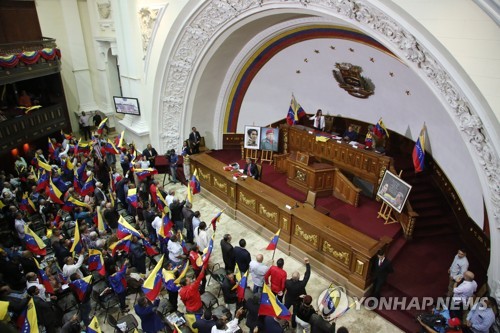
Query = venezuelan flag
x=81 y=286
x=270 y=306
x=160 y=200
x=4 y=311
x=132 y=197
x=43 y=165
x=118 y=281
x=143 y=173
x=121 y=245
x=208 y=251
x=242 y=285
x=418 y=154
x=215 y=220
x=274 y=241
x=166 y=226
x=195 y=183
x=152 y=285
x=33 y=243
x=110 y=148
x=150 y=250
x=119 y=140
x=94 y=326
x=82 y=175
x=71 y=203
x=43 y=181
x=101 y=126
x=96 y=262
x=380 y=130
x=44 y=279
x=125 y=229
x=77 y=242
x=54 y=193
x=27 y=320
x=101 y=226
x=88 y=187
x=295 y=112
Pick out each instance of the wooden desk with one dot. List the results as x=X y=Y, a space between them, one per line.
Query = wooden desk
x=365 y=164
x=338 y=251
x=317 y=177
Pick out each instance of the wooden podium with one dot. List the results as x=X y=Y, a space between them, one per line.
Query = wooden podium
x=304 y=174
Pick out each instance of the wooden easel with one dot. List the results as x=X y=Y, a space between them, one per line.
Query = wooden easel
x=252 y=154
x=267 y=156
x=385 y=211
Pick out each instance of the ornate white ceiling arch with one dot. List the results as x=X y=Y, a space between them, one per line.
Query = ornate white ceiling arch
x=212 y=16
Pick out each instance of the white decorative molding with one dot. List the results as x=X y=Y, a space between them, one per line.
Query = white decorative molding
x=213 y=15
x=148 y=17
x=104 y=9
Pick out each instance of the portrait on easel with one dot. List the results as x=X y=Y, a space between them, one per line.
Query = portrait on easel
x=252 y=135
x=394 y=191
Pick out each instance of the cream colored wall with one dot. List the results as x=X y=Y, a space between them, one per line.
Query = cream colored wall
x=50 y=16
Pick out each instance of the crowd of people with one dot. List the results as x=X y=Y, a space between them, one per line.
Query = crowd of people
x=66 y=206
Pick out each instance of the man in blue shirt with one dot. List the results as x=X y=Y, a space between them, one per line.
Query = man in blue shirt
x=481 y=317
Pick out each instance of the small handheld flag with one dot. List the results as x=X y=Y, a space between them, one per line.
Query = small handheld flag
x=271 y=306
x=380 y=130
x=125 y=229
x=274 y=241
x=152 y=285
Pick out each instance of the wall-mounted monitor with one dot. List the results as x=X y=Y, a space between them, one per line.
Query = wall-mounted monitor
x=127 y=105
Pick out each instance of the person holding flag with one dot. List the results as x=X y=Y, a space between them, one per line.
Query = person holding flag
x=118 y=283
x=70 y=267
x=46 y=315
x=190 y=293
x=82 y=289
x=276 y=277
x=151 y=322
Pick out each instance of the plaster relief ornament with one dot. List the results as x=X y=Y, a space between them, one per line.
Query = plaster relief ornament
x=104 y=9
x=349 y=78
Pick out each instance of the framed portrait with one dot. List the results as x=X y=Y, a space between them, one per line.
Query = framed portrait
x=127 y=105
x=394 y=191
x=252 y=135
x=269 y=138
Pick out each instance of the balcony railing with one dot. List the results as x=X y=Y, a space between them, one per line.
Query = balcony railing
x=41 y=122
x=20 y=47
x=26 y=60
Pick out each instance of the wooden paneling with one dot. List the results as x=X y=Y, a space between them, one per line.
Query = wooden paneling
x=232 y=140
x=367 y=165
x=18 y=21
x=345 y=190
x=332 y=243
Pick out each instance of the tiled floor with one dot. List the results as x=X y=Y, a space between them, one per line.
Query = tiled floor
x=356 y=320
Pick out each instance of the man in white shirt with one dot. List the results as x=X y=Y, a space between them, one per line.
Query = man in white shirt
x=457 y=269
x=223 y=326
x=170 y=197
x=257 y=271
x=19 y=225
x=71 y=267
x=84 y=122
x=463 y=292
x=175 y=252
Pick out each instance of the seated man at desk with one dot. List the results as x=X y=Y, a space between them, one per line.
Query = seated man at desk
x=350 y=134
x=251 y=169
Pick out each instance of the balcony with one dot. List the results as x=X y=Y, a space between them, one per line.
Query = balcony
x=38 y=123
x=26 y=60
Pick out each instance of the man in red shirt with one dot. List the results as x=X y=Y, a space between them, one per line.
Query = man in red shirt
x=278 y=278
x=190 y=293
